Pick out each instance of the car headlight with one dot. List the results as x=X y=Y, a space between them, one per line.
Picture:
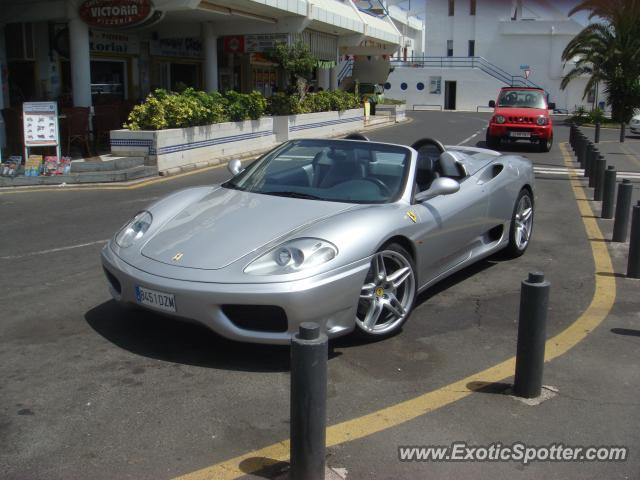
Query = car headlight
x=134 y=230
x=499 y=119
x=541 y=120
x=293 y=256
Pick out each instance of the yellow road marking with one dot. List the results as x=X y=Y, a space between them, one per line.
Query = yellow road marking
x=91 y=188
x=394 y=415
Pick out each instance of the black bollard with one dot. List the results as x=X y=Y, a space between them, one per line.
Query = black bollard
x=309 y=354
x=622 y=129
x=571 y=133
x=586 y=149
x=600 y=167
x=588 y=169
x=591 y=149
x=608 y=192
x=534 y=302
x=623 y=206
x=596 y=138
x=582 y=150
x=633 y=263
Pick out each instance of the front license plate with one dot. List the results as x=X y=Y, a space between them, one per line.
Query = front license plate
x=520 y=134
x=153 y=298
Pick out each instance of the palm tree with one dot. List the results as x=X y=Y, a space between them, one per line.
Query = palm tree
x=609 y=52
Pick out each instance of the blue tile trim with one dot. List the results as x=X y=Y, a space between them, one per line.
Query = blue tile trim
x=306 y=126
x=121 y=142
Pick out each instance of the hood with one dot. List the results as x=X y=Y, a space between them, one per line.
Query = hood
x=524 y=113
x=224 y=226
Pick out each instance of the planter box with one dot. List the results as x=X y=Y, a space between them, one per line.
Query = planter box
x=176 y=148
x=320 y=124
x=397 y=112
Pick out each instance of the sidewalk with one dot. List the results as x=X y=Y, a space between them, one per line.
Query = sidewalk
x=112 y=169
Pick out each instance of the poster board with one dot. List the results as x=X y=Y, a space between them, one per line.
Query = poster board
x=40 y=126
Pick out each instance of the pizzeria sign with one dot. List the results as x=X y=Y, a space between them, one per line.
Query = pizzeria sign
x=115 y=13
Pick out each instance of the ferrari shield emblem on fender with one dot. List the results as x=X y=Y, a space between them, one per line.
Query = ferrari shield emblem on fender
x=412 y=216
x=177 y=257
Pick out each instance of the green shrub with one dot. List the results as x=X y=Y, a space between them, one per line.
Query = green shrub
x=317 y=102
x=243 y=106
x=148 y=116
x=341 y=100
x=283 y=104
x=597 y=115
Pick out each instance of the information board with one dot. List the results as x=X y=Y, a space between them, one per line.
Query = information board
x=40 y=125
x=40 y=121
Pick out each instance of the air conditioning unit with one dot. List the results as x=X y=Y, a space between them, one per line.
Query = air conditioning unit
x=408 y=42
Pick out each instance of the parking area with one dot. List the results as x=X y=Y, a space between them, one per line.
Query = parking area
x=94 y=391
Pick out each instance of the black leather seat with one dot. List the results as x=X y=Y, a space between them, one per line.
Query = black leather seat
x=426 y=172
x=343 y=167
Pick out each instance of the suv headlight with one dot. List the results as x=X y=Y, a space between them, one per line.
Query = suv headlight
x=542 y=120
x=134 y=230
x=293 y=256
x=499 y=119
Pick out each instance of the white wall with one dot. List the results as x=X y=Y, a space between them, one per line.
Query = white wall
x=537 y=41
x=473 y=87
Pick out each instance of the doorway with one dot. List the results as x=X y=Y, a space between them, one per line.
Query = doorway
x=449 y=95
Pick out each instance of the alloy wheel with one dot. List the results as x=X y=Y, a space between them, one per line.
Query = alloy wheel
x=523 y=222
x=387 y=295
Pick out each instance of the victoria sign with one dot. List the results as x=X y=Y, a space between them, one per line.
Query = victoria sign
x=115 y=13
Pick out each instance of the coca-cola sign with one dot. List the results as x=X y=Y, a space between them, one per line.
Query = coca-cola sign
x=115 y=13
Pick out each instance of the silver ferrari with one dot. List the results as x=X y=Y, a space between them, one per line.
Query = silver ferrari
x=344 y=233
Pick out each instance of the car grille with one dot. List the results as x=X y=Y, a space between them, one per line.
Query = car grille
x=517 y=119
x=259 y=318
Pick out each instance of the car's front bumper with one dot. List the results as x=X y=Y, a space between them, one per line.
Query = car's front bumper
x=330 y=299
x=536 y=132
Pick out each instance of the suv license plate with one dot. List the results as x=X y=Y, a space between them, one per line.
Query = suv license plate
x=520 y=134
x=153 y=298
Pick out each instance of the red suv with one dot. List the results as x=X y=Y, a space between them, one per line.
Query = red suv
x=521 y=114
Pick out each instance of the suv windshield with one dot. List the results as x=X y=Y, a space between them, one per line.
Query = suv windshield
x=521 y=99
x=331 y=170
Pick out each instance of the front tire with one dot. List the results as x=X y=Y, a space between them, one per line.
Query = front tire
x=521 y=225
x=388 y=294
x=545 y=145
x=492 y=142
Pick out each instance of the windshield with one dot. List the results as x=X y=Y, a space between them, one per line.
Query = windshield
x=331 y=170
x=521 y=99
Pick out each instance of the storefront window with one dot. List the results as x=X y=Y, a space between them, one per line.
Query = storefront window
x=108 y=80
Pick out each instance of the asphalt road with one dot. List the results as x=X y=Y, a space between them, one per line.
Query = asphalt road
x=94 y=391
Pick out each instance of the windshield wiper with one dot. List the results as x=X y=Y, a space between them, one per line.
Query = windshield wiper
x=292 y=195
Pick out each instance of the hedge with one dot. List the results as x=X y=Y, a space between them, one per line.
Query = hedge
x=190 y=108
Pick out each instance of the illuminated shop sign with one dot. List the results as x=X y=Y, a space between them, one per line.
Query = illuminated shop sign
x=115 y=13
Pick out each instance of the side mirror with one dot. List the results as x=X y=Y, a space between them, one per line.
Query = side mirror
x=440 y=186
x=235 y=167
x=492 y=103
x=552 y=106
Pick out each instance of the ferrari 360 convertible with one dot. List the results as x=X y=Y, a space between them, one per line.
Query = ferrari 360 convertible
x=344 y=233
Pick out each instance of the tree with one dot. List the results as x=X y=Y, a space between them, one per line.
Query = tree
x=609 y=52
x=296 y=60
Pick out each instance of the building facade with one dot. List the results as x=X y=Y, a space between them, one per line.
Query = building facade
x=90 y=52
x=474 y=47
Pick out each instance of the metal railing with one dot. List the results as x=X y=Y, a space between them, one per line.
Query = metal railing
x=345 y=71
x=480 y=63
